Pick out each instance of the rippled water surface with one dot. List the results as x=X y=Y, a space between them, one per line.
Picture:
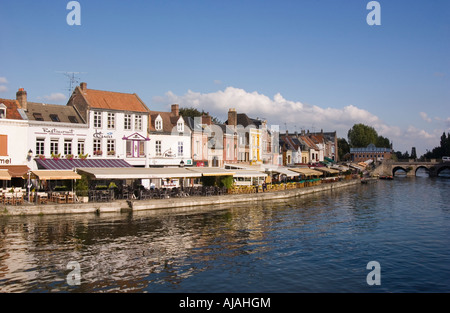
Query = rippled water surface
x=316 y=243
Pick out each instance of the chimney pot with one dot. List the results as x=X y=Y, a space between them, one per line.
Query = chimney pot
x=21 y=97
x=175 y=110
x=83 y=86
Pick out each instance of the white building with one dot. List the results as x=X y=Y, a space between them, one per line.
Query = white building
x=117 y=124
x=170 y=139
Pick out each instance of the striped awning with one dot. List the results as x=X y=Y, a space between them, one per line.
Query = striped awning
x=138 y=173
x=67 y=164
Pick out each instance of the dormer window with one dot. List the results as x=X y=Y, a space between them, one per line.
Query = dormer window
x=54 y=118
x=180 y=126
x=38 y=116
x=2 y=110
x=158 y=123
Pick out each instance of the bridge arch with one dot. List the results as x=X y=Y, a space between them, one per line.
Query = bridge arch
x=422 y=167
x=440 y=169
x=398 y=168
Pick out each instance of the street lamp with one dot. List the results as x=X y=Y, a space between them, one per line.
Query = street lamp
x=182 y=164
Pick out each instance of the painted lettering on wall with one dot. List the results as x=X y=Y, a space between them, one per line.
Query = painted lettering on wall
x=100 y=135
x=54 y=131
x=5 y=161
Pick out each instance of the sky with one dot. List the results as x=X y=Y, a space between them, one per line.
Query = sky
x=299 y=64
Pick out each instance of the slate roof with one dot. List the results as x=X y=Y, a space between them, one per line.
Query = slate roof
x=52 y=113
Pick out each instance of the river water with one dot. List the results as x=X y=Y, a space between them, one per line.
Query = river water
x=316 y=243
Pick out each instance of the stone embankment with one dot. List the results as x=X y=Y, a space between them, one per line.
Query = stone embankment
x=119 y=206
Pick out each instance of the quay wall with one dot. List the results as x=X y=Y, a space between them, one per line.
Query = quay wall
x=118 y=206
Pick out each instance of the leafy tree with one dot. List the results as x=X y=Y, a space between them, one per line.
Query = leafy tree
x=361 y=135
x=442 y=150
x=193 y=112
x=343 y=148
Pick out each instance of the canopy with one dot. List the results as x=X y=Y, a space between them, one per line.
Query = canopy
x=15 y=170
x=306 y=171
x=4 y=175
x=211 y=171
x=53 y=175
x=248 y=173
x=138 y=173
x=327 y=170
x=68 y=164
x=282 y=170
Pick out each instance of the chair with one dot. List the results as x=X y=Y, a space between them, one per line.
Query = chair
x=42 y=197
x=70 y=197
x=61 y=198
x=18 y=198
x=9 y=198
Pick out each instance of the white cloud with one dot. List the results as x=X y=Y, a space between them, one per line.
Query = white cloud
x=425 y=117
x=3 y=80
x=54 y=97
x=3 y=88
x=298 y=115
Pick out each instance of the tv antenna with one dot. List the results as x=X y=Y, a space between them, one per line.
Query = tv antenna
x=73 y=80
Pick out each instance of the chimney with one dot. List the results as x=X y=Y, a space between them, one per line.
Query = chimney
x=21 y=97
x=175 y=110
x=232 y=117
x=206 y=119
x=83 y=86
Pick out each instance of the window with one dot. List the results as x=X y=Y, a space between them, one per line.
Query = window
x=73 y=119
x=67 y=147
x=158 y=124
x=97 y=119
x=81 y=146
x=127 y=122
x=98 y=147
x=138 y=122
x=158 y=147
x=54 y=118
x=180 y=148
x=180 y=127
x=111 y=147
x=2 y=111
x=54 y=146
x=111 y=121
x=38 y=116
x=40 y=146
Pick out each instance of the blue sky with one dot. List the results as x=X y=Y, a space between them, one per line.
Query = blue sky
x=309 y=64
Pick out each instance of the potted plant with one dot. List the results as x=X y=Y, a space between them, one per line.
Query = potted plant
x=69 y=156
x=83 y=156
x=98 y=152
x=111 y=152
x=56 y=156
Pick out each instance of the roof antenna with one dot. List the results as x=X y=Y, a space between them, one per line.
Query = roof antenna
x=73 y=80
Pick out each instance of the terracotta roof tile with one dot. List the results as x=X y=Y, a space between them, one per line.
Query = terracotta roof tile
x=11 y=109
x=110 y=100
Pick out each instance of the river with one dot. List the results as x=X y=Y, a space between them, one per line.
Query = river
x=316 y=243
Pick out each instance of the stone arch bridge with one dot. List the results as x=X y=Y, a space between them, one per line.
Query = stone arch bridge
x=389 y=167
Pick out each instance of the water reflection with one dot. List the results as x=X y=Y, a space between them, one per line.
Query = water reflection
x=316 y=242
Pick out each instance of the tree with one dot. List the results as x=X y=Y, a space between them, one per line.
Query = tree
x=442 y=150
x=361 y=135
x=343 y=148
x=193 y=112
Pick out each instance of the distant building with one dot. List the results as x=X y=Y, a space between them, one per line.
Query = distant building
x=371 y=152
